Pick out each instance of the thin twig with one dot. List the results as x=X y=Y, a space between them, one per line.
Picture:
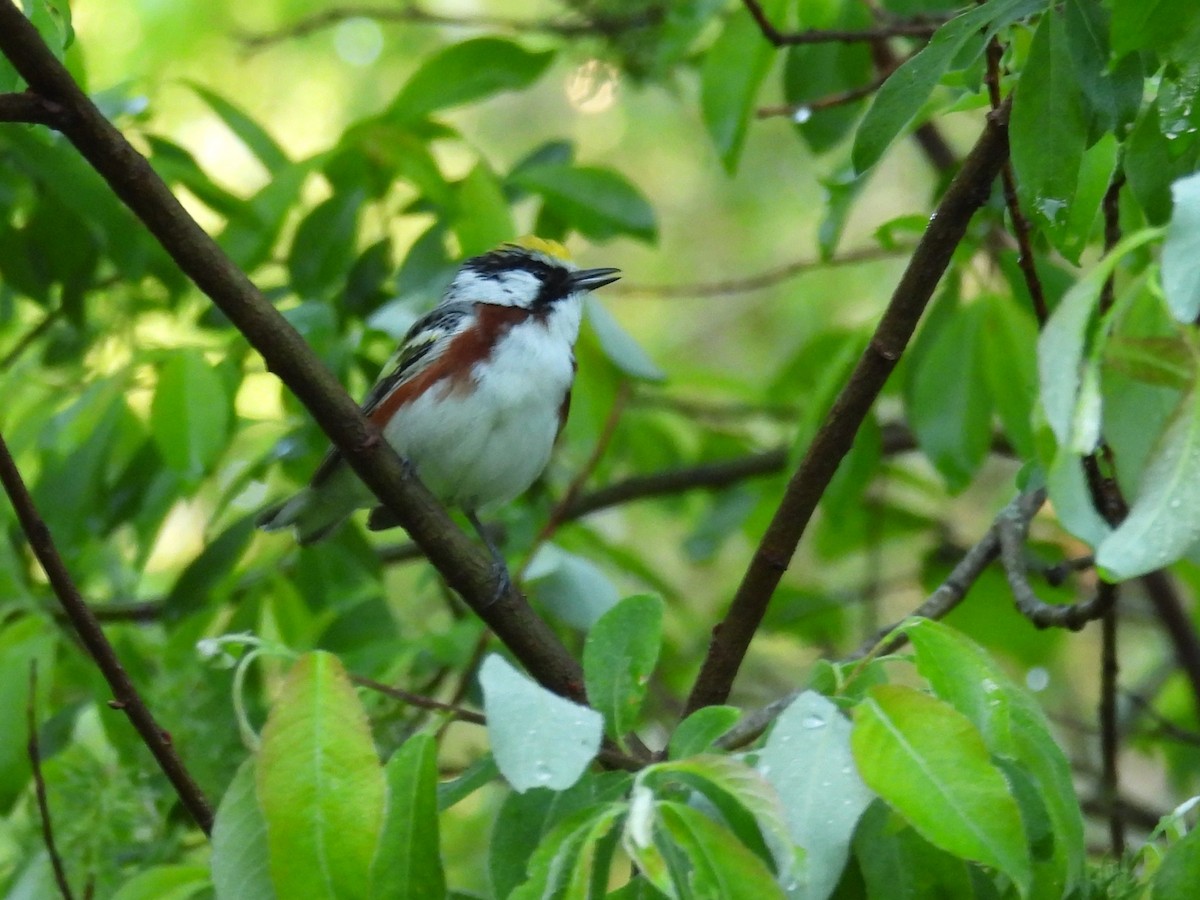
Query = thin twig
x=762 y=280
x=1020 y=224
x=962 y=577
x=420 y=701
x=126 y=696
x=1012 y=530
x=39 y=787
x=411 y=14
x=1177 y=623
x=793 y=110
x=29 y=338
x=1110 y=782
x=967 y=192
x=917 y=27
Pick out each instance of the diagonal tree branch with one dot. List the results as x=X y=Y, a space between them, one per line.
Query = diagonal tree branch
x=125 y=694
x=966 y=193
x=465 y=566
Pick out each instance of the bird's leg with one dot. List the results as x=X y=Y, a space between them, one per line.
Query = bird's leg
x=499 y=566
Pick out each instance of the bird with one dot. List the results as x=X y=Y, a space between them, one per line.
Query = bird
x=474 y=398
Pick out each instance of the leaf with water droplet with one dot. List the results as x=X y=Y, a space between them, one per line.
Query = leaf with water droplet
x=1181 y=251
x=538 y=738
x=1165 y=515
x=807 y=758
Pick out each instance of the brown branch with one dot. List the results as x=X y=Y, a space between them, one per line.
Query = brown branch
x=762 y=280
x=1178 y=624
x=421 y=702
x=968 y=191
x=1020 y=224
x=126 y=696
x=916 y=27
x=792 y=110
x=1012 y=531
x=1110 y=781
x=466 y=567
x=411 y=14
x=31 y=109
x=953 y=590
x=39 y=787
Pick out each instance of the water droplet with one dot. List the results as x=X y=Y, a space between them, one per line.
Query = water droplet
x=812 y=722
x=1037 y=678
x=802 y=114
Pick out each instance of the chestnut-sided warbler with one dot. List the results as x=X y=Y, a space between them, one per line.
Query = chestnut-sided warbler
x=476 y=394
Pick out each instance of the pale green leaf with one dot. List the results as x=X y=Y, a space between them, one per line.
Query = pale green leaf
x=539 y=739
x=320 y=785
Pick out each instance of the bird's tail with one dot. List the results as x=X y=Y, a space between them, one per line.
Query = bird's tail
x=315 y=512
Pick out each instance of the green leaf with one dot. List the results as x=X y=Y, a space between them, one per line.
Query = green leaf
x=165 y=883
x=1142 y=25
x=1047 y=111
x=483 y=220
x=733 y=71
x=465 y=72
x=573 y=858
x=1013 y=727
x=1179 y=872
x=1153 y=161
x=240 y=863
x=250 y=133
x=539 y=739
x=192 y=590
x=1096 y=168
x=719 y=864
x=946 y=396
x=598 y=203
x=699 y=731
x=1156 y=361
x=807 y=758
x=1113 y=94
x=478 y=774
x=524 y=821
x=1164 y=520
x=191 y=413
x=571 y=587
x=250 y=236
x=746 y=801
x=1064 y=343
x=1181 y=251
x=618 y=658
x=929 y=763
x=618 y=345
x=905 y=92
x=1008 y=357
x=896 y=861
x=324 y=244
x=320 y=785
x=408 y=861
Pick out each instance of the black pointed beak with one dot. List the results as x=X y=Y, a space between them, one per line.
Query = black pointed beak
x=590 y=279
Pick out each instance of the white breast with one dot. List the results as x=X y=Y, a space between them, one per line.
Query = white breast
x=474 y=448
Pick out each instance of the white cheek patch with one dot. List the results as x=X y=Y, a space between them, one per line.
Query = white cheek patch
x=515 y=288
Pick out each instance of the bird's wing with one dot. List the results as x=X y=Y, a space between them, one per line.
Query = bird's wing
x=423 y=344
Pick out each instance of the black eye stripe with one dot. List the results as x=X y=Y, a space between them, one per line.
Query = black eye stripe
x=508 y=261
